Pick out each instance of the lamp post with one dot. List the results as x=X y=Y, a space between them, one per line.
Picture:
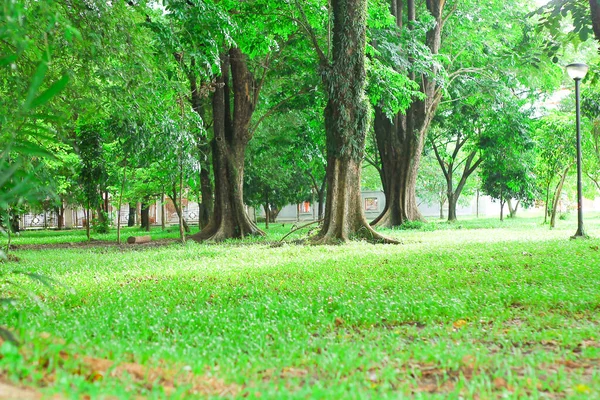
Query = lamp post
x=577 y=72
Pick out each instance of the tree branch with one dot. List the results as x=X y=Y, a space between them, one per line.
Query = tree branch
x=323 y=59
x=275 y=107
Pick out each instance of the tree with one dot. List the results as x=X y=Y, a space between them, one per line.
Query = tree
x=401 y=137
x=431 y=185
x=236 y=95
x=346 y=121
x=475 y=106
x=274 y=177
x=509 y=158
x=591 y=144
x=556 y=155
x=440 y=47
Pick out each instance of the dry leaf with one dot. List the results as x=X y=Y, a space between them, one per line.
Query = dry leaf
x=459 y=324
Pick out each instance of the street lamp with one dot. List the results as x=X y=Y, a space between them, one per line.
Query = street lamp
x=577 y=72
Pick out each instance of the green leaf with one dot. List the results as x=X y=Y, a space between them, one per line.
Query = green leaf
x=8 y=59
x=36 y=82
x=53 y=90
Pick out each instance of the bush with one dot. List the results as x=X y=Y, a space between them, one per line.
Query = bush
x=563 y=216
x=99 y=226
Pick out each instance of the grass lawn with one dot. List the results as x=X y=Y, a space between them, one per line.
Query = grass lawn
x=475 y=309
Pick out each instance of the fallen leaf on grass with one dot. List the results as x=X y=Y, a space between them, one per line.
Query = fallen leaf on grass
x=461 y=323
x=581 y=388
x=500 y=383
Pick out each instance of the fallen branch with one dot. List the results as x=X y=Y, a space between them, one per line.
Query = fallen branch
x=298 y=228
x=138 y=239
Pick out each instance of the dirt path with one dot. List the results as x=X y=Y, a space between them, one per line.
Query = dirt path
x=11 y=392
x=94 y=243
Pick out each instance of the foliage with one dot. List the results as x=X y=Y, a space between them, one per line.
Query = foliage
x=551 y=18
x=507 y=171
x=272 y=174
x=591 y=142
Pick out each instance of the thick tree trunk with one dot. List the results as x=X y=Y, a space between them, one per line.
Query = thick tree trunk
x=231 y=136
x=344 y=216
x=273 y=213
x=400 y=154
x=400 y=141
x=346 y=120
x=132 y=212
x=205 y=205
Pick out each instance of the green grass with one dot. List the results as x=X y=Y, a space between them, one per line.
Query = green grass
x=472 y=308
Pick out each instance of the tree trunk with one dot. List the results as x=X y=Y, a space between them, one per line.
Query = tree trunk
x=595 y=11
x=14 y=222
x=231 y=136
x=60 y=212
x=513 y=210
x=400 y=141
x=452 y=200
x=267 y=216
x=273 y=213
x=546 y=208
x=346 y=121
x=556 y=198
x=145 y=215
x=121 y=203
x=206 y=207
x=132 y=212
x=163 y=223
x=267 y=209
x=442 y=209
x=321 y=199
x=448 y=170
x=174 y=198
x=400 y=153
x=138 y=213
x=87 y=221
x=501 y=210
x=183 y=226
